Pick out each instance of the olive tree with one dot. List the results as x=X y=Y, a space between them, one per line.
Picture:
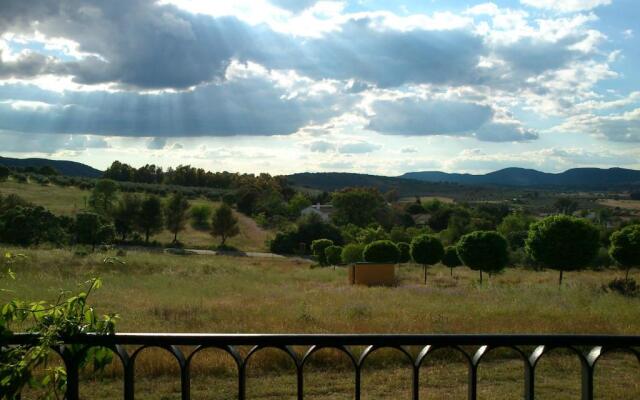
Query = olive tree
x=625 y=247
x=333 y=255
x=176 y=212
x=484 y=251
x=450 y=258
x=563 y=243
x=405 y=252
x=426 y=250
x=224 y=223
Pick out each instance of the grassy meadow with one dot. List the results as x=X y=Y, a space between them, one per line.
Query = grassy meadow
x=169 y=293
x=70 y=200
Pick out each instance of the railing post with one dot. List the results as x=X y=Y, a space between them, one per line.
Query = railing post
x=300 y=382
x=529 y=381
x=242 y=381
x=357 y=383
x=587 y=381
x=73 y=379
x=473 y=382
x=415 y=383
x=185 y=382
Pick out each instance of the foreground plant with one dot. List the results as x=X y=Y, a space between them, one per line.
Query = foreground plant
x=50 y=323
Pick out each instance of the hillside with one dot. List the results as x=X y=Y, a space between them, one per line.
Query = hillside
x=68 y=168
x=577 y=177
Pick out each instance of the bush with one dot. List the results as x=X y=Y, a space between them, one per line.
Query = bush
x=352 y=253
x=626 y=287
x=381 y=251
x=283 y=243
x=333 y=255
x=484 y=251
x=318 y=247
x=563 y=243
x=405 y=252
x=200 y=216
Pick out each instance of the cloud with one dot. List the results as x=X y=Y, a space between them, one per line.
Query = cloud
x=360 y=147
x=43 y=143
x=321 y=146
x=156 y=143
x=408 y=150
x=566 y=5
x=251 y=102
x=294 y=5
x=417 y=117
x=623 y=127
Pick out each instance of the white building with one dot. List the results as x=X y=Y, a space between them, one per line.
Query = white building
x=323 y=210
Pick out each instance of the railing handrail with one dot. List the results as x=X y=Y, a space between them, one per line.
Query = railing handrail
x=347 y=339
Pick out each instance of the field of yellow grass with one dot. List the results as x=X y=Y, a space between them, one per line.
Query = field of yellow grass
x=168 y=293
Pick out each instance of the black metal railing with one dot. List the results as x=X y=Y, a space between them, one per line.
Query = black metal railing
x=588 y=348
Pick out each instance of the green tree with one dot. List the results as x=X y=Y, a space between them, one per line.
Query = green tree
x=398 y=234
x=92 y=229
x=176 y=213
x=30 y=225
x=359 y=206
x=224 y=223
x=515 y=228
x=625 y=247
x=150 y=219
x=104 y=193
x=318 y=247
x=563 y=243
x=450 y=258
x=200 y=216
x=125 y=213
x=426 y=250
x=484 y=251
x=333 y=255
x=297 y=203
x=4 y=173
x=565 y=205
x=352 y=253
x=381 y=251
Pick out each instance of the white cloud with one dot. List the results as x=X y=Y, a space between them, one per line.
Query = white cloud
x=360 y=147
x=566 y=5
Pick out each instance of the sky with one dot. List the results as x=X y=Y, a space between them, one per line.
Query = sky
x=284 y=86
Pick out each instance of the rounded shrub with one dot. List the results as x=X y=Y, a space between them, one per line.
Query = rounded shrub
x=484 y=251
x=352 y=253
x=426 y=249
x=563 y=243
x=405 y=252
x=333 y=255
x=381 y=251
x=318 y=246
x=450 y=258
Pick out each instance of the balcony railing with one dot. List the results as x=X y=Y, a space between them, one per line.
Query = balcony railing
x=588 y=348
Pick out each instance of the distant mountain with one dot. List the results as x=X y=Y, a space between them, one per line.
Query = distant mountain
x=330 y=181
x=577 y=177
x=68 y=168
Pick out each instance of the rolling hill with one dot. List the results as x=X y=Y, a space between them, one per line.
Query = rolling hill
x=68 y=168
x=576 y=177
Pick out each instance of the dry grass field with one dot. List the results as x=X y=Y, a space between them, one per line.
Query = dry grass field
x=168 y=293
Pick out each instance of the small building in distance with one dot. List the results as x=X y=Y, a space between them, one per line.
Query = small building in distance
x=323 y=210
